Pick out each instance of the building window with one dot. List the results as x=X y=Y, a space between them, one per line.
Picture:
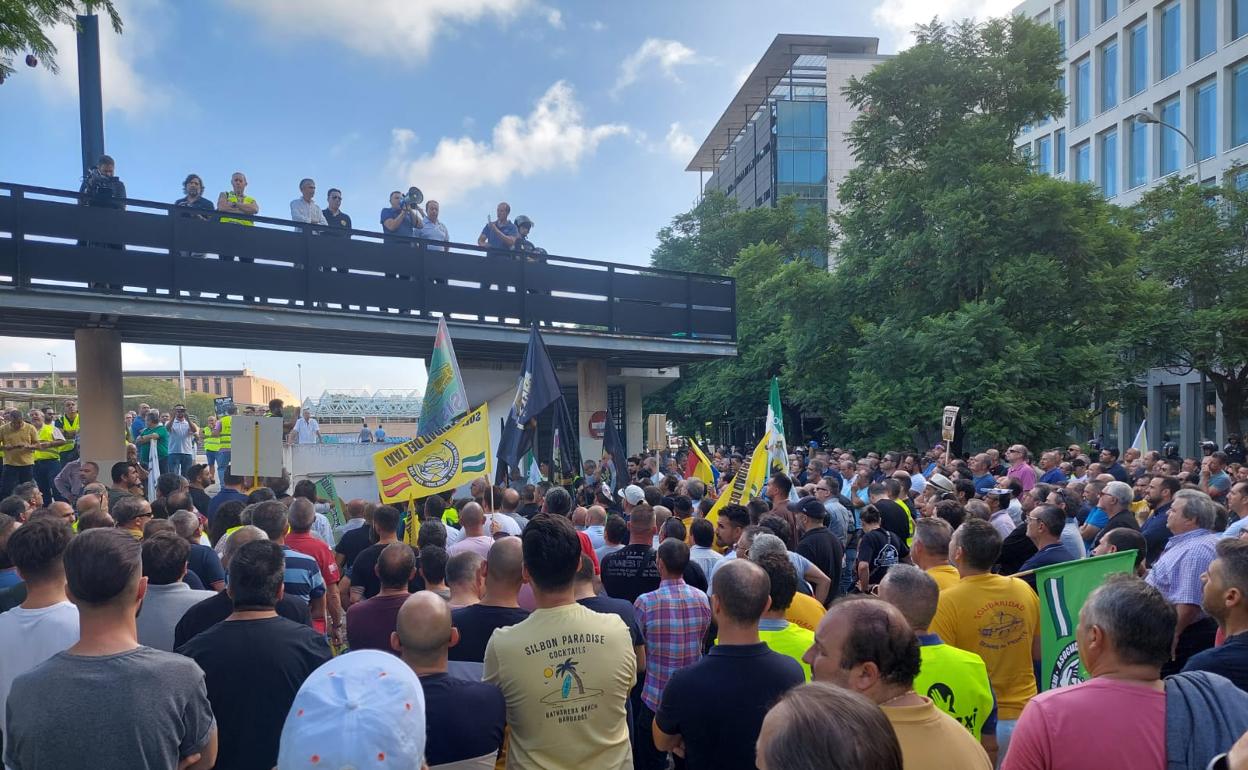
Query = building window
x=1109 y=9
x=1108 y=150
x=1083 y=18
x=1239 y=105
x=1239 y=20
x=1169 y=139
x=1138 y=174
x=1205 y=30
x=1206 y=128
x=1083 y=91
x=1083 y=163
x=1109 y=75
x=1059 y=23
x=1059 y=151
x=1170 y=55
x=1138 y=40
x=1044 y=155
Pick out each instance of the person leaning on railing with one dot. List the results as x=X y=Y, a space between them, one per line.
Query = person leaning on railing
x=237 y=202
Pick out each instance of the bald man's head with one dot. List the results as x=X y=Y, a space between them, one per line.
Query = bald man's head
x=396 y=566
x=423 y=632
x=511 y=500
x=503 y=565
x=472 y=516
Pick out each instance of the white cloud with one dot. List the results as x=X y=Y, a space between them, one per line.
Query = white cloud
x=553 y=136
x=679 y=143
x=900 y=16
x=124 y=86
x=665 y=54
x=597 y=25
x=382 y=28
x=20 y=366
x=554 y=17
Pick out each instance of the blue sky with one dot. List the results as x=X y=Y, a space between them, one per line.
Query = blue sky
x=582 y=115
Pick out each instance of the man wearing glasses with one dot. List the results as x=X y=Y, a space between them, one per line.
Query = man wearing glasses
x=335 y=217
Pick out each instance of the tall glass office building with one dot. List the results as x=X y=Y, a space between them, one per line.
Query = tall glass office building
x=1186 y=62
x=784 y=132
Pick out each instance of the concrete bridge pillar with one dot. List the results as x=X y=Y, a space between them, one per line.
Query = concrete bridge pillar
x=98 y=354
x=591 y=396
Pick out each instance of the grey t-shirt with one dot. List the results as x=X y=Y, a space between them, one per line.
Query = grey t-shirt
x=144 y=709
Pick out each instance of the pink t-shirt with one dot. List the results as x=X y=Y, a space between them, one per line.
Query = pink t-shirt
x=1025 y=474
x=1103 y=723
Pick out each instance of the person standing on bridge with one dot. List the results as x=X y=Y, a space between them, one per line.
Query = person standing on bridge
x=305 y=209
x=239 y=203
x=306 y=430
x=499 y=234
x=434 y=229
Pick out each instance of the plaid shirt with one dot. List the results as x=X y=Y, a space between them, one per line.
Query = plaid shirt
x=674 y=618
x=1177 y=572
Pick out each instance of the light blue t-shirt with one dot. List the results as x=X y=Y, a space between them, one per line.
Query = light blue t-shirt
x=507 y=228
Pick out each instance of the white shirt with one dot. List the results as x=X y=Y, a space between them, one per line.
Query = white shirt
x=29 y=637
x=706 y=558
x=307 y=211
x=505 y=524
x=305 y=430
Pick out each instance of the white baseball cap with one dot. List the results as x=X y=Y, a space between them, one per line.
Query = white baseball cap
x=361 y=709
x=634 y=494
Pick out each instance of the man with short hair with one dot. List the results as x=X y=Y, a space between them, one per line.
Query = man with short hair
x=774 y=629
x=18 y=439
x=306 y=431
x=464 y=718
x=1237 y=507
x=596 y=519
x=1161 y=491
x=110 y=676
x=203 y=560
x=231 y=491
x=304 y=208
x=499 y=607
x=702 y=532
x=778 y=490
x=1044 y=528
x=475 y=539
x=1225 y=599
x=1109 y=461
x=132 y=514
x=867 y=646
x=1020 y=466
x=956 y=681
x=75 y=475
x=303 y=575
x=817 y=543
x=301 y=539
x=588 y=666
x=1050 y=463
x=168 y=598
x=740 y=670
x=878 y=550
x=371 y=621
x=363 y=582
x=981 y=474
x=1125 y=632
x=45 y=622
x=888 y=498
x=255 y=660
x=499 y=234
x=1177 y=573
x=465 y=578
x=930 y=551
x=631 y=571
x=335 y=217
x=1116 y=501
x=614 y=536
x=673 y=618
x=994 y=616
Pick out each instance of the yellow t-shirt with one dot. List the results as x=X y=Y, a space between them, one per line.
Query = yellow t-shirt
x=792 y=640
x=997 y=618
x=946 y=575
x=932 y=740
x=10 y=436
x=805 y=611
x=566 y=673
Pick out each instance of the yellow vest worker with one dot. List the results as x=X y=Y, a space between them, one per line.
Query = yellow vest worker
x=957 y=683
x=69 y=427
x=223 y=435
x=243 y=200
x=47 y=433
x=212 y=441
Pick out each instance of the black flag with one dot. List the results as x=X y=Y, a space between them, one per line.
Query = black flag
x=536 y=389
x=615 y=456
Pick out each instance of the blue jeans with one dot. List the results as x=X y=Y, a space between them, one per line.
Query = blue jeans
x=223 y=462
x=179 y=463
x=849 y=574
x=45 y=471
x=1005 y=728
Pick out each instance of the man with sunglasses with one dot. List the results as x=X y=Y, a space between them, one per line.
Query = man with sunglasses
x=335 y=217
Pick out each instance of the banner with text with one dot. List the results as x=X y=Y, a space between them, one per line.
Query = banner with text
x=1063 y=588
x=443 y=460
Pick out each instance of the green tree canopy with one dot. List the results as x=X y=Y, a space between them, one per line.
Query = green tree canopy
x=24 y=25
x=1193 y=257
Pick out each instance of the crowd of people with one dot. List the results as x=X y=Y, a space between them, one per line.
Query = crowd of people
x=866 y=610
x=402 y=218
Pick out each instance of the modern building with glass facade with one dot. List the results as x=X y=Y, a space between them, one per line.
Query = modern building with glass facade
x=1186 y=62
x=784 y=132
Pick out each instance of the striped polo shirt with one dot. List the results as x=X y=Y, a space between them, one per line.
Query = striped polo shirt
x=303 y=575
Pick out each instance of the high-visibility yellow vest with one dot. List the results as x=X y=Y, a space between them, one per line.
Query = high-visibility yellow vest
x=957 y=683
x=47 y=433
x=212 y=441
x=224 y=433
x=243 y=199
x=67 y=424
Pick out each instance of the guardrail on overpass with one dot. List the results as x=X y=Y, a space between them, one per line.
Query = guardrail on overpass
x=49 y=242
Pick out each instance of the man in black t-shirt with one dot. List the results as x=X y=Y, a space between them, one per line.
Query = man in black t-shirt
x=893 y=517
x=363 y=576
x=878 y=550
x=632 y=570
x=255 y=661
x=464 y=718
x=498 y=607
x=817 y=543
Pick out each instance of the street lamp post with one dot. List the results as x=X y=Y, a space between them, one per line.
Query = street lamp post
x=1146 y=116
x=52 y=358
x=300 y=368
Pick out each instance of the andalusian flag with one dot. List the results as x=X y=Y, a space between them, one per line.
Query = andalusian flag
x=434 y=463
x=1141 y=438
x=445 y=398
x=1063 y=588
x=327 y=490
x=698 y=467
x=777 y=449
x=747 y=484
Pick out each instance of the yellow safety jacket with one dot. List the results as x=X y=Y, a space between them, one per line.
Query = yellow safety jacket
x=244 y=199
x=224 y=434
x=47 y=433
x=67 y=424
x=212 y=441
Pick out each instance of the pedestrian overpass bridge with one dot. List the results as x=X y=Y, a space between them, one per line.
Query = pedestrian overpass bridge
x=155 y=273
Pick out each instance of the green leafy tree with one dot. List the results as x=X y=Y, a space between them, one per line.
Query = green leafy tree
x=968 y=278
x=24 y=25
x=156 y=393
x=1193 y=257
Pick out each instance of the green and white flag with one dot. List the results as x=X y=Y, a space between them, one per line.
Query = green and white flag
x=777 y=448
x=1063 y=588
x=445 y=399
x=327 y=490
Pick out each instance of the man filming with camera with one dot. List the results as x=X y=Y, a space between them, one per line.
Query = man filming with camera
x=401 y=218
x=101 y=189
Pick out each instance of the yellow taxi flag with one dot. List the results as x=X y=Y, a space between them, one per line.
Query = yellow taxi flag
x=442 y=460
x=748 y=482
